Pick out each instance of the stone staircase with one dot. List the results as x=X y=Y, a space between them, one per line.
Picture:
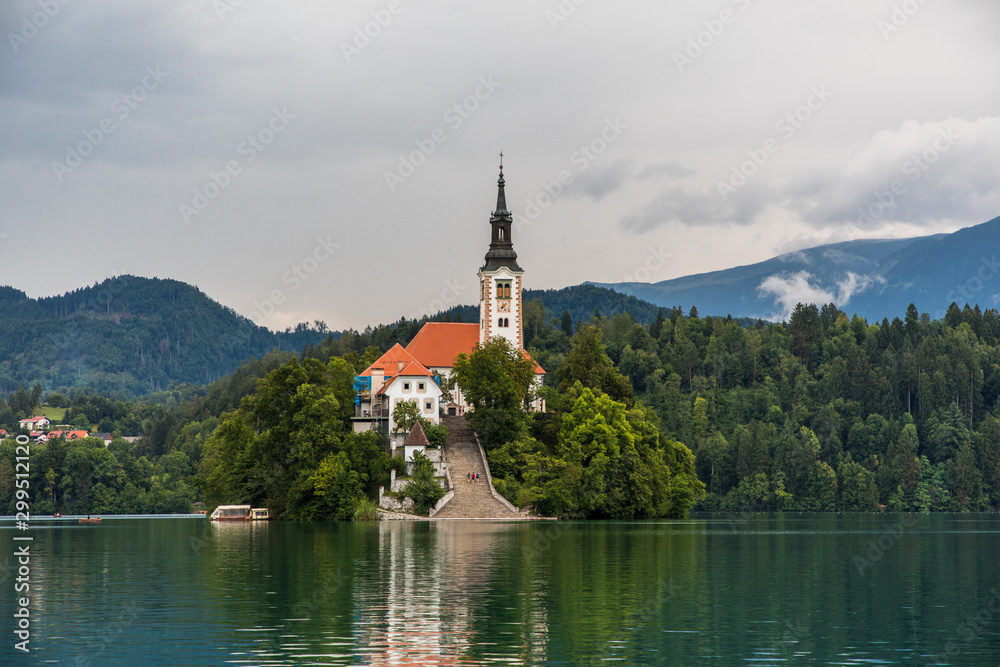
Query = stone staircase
x=471 y=500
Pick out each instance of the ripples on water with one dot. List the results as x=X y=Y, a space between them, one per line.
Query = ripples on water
x=724 y=590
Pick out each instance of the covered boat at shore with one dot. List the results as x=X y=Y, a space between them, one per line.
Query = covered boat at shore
x=239 y=513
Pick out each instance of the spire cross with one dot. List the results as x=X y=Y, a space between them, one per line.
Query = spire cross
x=501 y=159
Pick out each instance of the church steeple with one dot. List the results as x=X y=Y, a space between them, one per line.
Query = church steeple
x=501 y=197
x=501 y=252
x=500 y=280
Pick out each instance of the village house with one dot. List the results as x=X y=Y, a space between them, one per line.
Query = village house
x=395 y=377
x=34 y=423
x=65 y=435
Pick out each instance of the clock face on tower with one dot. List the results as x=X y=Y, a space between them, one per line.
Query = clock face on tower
x=504 y=306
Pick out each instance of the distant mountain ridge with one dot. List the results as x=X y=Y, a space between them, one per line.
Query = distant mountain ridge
x=130 y=335
x=134 y=335
x=874 y=278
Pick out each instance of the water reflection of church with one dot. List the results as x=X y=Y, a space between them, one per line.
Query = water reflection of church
x=434 y=608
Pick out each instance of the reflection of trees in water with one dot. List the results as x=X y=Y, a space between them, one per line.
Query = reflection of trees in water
x=609 y=590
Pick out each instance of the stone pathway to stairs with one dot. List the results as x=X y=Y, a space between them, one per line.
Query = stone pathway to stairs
x=471 y=501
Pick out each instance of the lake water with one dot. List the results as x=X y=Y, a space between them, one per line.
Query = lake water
x=714 y=589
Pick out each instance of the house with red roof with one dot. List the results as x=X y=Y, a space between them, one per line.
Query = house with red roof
x=35 y=423
x=4 y=434
x=67 y=435
x=432 y=352
x=394 y=377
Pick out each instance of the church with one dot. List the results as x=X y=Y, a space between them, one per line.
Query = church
x=418 y=372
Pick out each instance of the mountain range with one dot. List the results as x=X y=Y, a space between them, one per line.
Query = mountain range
x=136 y=335
x=874 y=278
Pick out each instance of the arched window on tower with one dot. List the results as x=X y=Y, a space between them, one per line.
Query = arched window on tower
x=501 y=233
x=499 y=323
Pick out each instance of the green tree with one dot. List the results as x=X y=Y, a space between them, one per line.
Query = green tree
x=423 y=487
x=858 y=491
x=271 y=451
x=902 y=468
x=806 y=331
x=989 y=456
x=589 y=364
x=715 y=451
x=760 y=492
x=821 y=494
x=404 y=415
x=567 y=323
x=496 y=381
x=965 y=478
x=338 y=486
x=610 y=463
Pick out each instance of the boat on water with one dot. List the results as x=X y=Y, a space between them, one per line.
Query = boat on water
x=239 y=513
x=96 y=519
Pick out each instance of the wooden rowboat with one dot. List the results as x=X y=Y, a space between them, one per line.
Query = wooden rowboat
x=89 y=520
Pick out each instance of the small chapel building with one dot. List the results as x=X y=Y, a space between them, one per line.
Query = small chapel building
x=417 y=372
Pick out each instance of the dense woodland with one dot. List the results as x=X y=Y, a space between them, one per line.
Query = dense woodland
x=822 y=412
x=129 y=336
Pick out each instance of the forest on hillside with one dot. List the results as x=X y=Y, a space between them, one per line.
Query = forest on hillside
x=130 y=336
x=822 y=412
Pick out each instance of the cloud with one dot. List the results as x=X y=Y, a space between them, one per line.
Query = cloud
x=789 y=290
x=922 y=174
x=671 y=169
x=678 y=205
x=599 y=181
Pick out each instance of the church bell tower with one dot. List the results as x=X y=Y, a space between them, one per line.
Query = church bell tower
x=500 y=280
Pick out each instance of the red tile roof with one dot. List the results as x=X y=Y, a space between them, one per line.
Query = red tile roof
x=392 y=362
x=438 y=343
x=538 y=369
x=397 y=362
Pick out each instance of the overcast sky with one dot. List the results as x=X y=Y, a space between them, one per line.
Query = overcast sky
x=338 y=161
